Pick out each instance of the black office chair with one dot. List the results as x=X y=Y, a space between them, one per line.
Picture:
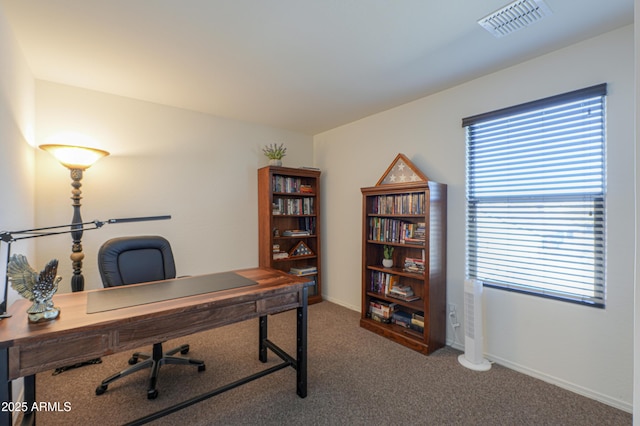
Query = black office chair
x=132 y=260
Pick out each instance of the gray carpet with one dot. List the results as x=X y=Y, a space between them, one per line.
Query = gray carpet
x=355 y=378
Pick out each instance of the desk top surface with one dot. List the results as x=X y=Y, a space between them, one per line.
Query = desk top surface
x=74 y=316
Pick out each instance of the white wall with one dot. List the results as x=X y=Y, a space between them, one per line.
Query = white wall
x=584 y=349
x=17 y=166
x=636 y=345
x=16 y=134
x=200 y=169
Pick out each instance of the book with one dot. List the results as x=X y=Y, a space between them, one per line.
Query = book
x=417 y=320
x=305 y=270
x=382 y=309
x=417 y=328
x=402 y=290
x=295 y=232
x=401 y=318
x=392 y=281
x=404 y=298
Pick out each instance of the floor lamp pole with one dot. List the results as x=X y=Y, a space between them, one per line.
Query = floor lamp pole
x=76 y=159
x=77 y=280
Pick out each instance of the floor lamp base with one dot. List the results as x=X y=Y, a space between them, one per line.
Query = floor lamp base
x=78 y=365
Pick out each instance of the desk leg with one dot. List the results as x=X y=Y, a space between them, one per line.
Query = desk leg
x=29 y=416
x=262 y=347
x=301 y=346
x=30 y=398
x=5 y=391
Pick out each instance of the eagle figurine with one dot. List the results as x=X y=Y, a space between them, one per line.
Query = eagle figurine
x=36 y=287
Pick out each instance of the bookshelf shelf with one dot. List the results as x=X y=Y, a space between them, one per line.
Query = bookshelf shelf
x=397 y=271
x=289 y=200
x=291 y=259
x=407 y=302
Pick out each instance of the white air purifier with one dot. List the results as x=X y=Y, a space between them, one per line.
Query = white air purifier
x=473 y=341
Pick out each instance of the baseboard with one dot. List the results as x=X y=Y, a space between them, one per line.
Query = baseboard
x=455 y=345
x=341 y=303
x=572 y=387
x=605 y=399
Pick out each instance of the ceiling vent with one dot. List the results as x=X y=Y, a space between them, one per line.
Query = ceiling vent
x=514 y=16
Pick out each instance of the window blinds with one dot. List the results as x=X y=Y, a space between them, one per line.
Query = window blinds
x=536 y=197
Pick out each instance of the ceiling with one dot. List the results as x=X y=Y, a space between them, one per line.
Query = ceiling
x=303 y=65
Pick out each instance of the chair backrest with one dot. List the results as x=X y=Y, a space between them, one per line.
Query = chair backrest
x=132 y=260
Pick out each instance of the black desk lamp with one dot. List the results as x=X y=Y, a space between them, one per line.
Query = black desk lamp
x=11 y=236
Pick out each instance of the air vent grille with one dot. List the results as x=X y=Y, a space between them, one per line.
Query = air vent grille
x=514 y=16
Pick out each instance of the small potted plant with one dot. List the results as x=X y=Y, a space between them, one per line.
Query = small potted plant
x=275 y=153
x=387 y=262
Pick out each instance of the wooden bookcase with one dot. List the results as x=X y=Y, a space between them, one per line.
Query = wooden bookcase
x=289 y=223
x=408 y=212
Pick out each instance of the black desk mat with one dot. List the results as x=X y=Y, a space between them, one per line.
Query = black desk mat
x=127 y=296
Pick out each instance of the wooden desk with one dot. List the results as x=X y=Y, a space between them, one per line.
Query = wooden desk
x=27 y=349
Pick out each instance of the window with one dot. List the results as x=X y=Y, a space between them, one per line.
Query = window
x=536 y=197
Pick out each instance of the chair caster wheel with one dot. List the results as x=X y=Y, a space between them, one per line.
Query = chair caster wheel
x=152 y=393
x=201 y=368
x=133 y=360
x=101 y=389
x=185 y=350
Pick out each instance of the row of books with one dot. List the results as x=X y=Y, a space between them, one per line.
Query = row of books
x=381 y=282
x=308 y=223
x=381 y=311
x=290 y=184
x=414 y=321
x=390 y=313
x=412 y=203
x=389 y=285
x=396 y=231
x=306 y=227
x=292 y=206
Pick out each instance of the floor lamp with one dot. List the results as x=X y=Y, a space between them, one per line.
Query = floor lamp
x=77 y=159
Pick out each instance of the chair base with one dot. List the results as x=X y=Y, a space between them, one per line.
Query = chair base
x=154 y=361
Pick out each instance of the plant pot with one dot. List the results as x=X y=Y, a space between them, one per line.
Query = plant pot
x=275 y=162
x=387 y=263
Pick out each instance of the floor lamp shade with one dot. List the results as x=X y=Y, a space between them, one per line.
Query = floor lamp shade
x=74 y=157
